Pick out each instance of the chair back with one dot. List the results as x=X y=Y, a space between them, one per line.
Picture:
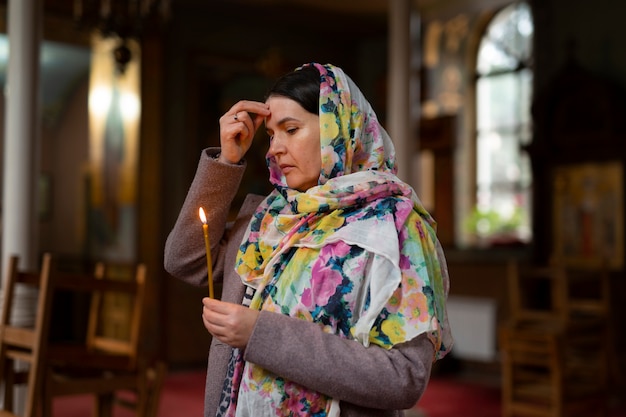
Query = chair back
x=536 y=293
x=117 y=309
x=558 y=292
x=22 y=342
x=555 y=349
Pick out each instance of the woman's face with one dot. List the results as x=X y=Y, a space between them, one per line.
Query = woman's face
x=294 y=142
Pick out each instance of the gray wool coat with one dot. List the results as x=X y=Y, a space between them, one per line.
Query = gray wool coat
x=368 y=381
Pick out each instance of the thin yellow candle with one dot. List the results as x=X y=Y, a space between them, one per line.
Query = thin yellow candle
x=209 y=263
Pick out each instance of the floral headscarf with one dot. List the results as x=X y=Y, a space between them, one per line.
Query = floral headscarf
x=357 y=254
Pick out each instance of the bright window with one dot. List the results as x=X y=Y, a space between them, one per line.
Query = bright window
x=503 y=100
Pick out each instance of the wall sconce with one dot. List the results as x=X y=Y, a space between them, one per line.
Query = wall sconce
x=122 y=19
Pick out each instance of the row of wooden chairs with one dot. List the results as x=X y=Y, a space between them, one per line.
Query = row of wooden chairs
x=106 y=365
x=557 y=347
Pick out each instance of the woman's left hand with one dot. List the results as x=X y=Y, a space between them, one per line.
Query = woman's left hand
x=229 y=323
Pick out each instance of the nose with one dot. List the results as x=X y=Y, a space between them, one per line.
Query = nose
x=277 y=146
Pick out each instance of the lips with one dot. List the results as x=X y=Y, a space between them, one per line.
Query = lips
x=285 y=168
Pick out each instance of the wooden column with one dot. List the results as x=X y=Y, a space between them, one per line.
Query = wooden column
x=437 y=135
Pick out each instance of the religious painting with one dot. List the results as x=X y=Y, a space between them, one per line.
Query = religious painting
x=114 y=117
x=442 y=77
x=589 y=213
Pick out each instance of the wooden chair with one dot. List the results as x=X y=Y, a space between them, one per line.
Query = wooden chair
x=155 y=376
x=111 y=360
x=24 y=344
x=555 y=353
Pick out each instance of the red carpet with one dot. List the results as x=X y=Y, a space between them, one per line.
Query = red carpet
x=183 y=394
x=447 y=397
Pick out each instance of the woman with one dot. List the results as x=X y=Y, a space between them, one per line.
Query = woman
x=342 y=279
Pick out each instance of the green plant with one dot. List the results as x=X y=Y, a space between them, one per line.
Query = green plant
x=486 y=223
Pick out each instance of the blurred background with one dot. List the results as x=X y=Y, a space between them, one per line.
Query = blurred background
x=508 y=118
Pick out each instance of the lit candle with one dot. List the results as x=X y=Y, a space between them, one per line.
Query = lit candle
x=209 y=263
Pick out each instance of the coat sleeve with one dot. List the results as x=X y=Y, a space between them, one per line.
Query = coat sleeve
x=213 y=188
x=343 y=369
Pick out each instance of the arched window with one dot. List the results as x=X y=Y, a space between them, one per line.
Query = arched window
x=503 y=99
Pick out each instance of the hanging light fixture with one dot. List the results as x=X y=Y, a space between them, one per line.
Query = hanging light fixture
x=122 y=19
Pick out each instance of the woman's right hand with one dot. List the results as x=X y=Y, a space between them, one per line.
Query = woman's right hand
x=237 y=128
x=229 y=323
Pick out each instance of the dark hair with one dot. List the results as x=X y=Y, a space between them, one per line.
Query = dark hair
x=301 y=86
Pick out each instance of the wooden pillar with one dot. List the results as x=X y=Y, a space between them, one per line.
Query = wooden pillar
x=398 y=108
x=437 y=135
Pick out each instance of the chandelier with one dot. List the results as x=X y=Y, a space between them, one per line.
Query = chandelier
x=122 y=19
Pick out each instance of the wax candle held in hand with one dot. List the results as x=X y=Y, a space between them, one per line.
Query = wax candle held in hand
x=209 y=263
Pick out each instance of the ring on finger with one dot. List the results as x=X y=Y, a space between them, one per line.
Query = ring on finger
x=235 y=117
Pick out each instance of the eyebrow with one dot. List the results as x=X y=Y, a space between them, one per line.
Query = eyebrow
x=286 y=119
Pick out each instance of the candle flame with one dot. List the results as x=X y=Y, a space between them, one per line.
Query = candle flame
x=202 y=215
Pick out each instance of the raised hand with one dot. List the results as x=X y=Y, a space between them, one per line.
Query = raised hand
x=237 y=128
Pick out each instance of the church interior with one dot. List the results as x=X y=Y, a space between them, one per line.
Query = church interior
x=509 y=118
